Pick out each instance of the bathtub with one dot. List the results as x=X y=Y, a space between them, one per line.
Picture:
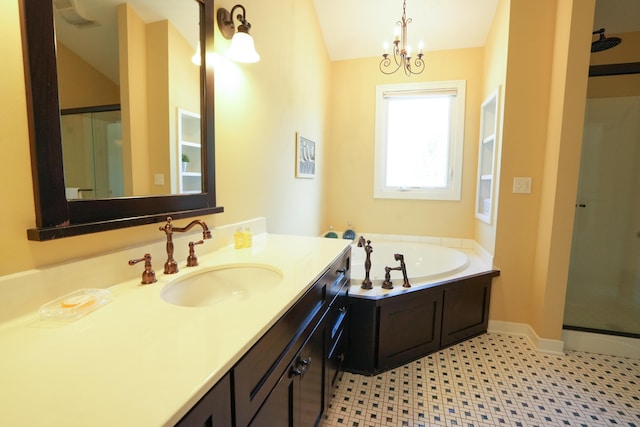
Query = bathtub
x=424 y=262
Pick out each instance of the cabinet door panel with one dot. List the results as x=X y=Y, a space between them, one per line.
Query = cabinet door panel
x=466 y=309
x=279 y=408
x=409 y=328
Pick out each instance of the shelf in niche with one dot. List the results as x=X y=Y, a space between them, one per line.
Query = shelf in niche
x=189 y=131
x=487 y=157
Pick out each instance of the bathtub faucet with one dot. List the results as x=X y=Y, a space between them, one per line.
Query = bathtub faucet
x=366 y=244
x=387 y=273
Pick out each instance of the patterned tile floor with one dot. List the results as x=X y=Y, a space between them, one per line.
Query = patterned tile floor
x=493 y=380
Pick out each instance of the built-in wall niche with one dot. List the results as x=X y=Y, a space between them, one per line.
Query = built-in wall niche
x=487 y=157
x=189 y=149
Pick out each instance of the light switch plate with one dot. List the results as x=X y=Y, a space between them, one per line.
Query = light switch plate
x=522 y=185
x=158 y=179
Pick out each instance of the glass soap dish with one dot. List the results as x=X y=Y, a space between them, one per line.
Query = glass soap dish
x=75 y=305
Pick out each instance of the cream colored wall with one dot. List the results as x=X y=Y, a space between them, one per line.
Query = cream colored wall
x=184 y=92
x=259 y=108
x=494 y=76
x=134 y=93
x=81 y=85
x=544 y=109
x=158 y=147
x=349 y=191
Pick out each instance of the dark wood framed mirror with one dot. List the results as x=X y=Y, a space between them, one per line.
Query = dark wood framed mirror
x=58 y=217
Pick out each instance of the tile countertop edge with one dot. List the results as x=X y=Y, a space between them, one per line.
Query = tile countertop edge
x=141 y=361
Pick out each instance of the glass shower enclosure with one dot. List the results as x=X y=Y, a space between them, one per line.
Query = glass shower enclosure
x=92 y=152
x=603 y=292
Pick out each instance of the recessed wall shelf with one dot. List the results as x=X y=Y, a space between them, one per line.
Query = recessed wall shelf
x=190 y=174
x=487 y=157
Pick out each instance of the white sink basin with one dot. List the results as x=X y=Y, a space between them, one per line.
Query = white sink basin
x=219 y=284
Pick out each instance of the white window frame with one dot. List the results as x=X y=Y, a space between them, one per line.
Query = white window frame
x=452 y=191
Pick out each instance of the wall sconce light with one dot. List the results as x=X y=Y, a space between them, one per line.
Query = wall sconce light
x=242 y=48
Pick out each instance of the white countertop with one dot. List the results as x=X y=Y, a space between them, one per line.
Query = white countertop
x=138 y=360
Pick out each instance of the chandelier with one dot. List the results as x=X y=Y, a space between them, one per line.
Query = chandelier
x=402 y=51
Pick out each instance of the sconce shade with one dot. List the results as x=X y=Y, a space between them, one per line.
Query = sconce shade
x=242 y=47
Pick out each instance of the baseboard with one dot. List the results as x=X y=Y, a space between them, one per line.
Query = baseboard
x=522 y=329
x=602 y=344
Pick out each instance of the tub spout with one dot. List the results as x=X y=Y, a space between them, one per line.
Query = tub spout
x=403 y=267
x=366 y=244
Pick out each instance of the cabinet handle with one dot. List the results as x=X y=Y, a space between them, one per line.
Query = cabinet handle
x=301 y=366
x=342 y=309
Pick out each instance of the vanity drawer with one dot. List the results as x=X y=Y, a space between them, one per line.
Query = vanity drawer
x=337 y=277
x=338 y=310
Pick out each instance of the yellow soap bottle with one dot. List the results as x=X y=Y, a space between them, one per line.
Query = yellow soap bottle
x=238 y=239
x=248 y=238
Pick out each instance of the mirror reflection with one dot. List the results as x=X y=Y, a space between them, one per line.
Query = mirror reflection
x=129 y=97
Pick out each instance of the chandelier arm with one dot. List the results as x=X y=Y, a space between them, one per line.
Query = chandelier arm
x=385 y=65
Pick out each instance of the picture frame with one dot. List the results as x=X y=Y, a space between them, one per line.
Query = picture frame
x=305 y=157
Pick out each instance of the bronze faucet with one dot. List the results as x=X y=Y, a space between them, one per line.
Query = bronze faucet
x=366 y=244
x=171 y=266
x=387 y=276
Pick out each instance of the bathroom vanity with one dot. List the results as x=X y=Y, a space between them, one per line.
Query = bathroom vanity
x=286 y=378
x=250 y=359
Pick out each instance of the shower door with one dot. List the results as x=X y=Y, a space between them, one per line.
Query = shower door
x=92 y=152
x=603 y=292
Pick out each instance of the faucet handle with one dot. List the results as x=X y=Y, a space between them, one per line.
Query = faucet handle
x=192 y=259
x=148 y=275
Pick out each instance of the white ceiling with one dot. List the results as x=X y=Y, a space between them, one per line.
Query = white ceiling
x=351 y=28
x=358 y=28
x=98 y=44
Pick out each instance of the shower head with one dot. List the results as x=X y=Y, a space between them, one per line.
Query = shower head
x=604 y=43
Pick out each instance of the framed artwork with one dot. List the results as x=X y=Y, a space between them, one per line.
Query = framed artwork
x=305 y=157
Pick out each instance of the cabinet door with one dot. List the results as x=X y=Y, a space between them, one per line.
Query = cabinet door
x=312 y=358
x=279 y=408
x=409 y=327
x=297 y=399
x=213 y=410
x=466 y=309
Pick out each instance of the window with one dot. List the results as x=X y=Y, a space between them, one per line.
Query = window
x=419 y=138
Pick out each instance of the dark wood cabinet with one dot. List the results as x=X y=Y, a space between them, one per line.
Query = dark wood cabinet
x=282 y=380
x=286 y=379
x=391 y=331
x=297 y=398
x=213 y=410
x=409 y=327
x=465 y=310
